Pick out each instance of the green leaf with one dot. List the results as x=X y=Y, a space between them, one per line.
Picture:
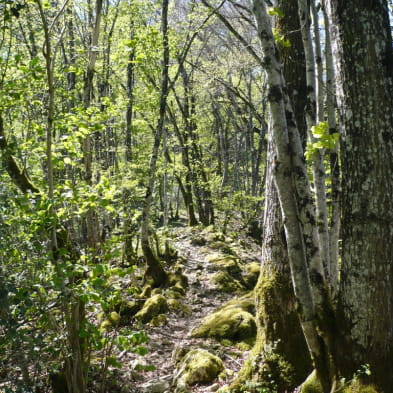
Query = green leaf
x=274 y=11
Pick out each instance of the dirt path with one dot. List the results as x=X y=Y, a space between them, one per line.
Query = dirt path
x=200 y=300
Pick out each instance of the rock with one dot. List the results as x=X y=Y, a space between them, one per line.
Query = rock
x=198 y=240
x=153 y=306
x=233 y=322
x=227 y=262
x=197 y=366
x=177 y=306
x=223 y=281
x=159 y=320
x=154 y=386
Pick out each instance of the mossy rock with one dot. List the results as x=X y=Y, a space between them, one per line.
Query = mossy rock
x=227 y=262
x=197 y=366
x=224 y=282
x=245 y=303
x=222 y=247
x=198 y=240
x=156 y=291
x=211 y=234
x=230 y=323
x=311 y=384
x=173 y=294
x=146 y=292
x=153 y=306
x=177 y=306
x=159 y=320
x=251 y=274
x=128 y=308
x=178 y=282
x=358 y=387
x=179 y=352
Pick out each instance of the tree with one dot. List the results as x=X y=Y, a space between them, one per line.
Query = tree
x=364 y=70
x=364 y=336
x=154 y=269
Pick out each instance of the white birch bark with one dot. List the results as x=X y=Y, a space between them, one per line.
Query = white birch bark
x=335 y=211
x=314 y=113
x=295 y=200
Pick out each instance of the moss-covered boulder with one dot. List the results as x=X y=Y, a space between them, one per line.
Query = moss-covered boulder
x=153 y=306
x=197 y=366
x=228 y=323
x=224 y=282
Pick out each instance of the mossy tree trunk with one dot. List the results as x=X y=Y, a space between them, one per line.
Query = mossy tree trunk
x=277 y=320
x=291 y=179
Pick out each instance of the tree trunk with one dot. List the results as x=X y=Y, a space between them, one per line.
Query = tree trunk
x=291 y=180
x=155 y=271
x=364 y=69
x=277 y=319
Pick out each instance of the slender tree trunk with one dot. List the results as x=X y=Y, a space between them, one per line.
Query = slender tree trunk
x=155 y=271
x=314 y=114
x=130 y=97
x=364 y=70
x=335 y=210
x=91 y=215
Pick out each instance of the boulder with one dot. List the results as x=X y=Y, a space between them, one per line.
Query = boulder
x=197 y=366
x=153 y=306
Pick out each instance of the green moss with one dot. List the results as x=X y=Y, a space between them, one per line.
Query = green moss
x=153 y=306
x=177 y=306
x=311 y=384
x=251 y=274
x=358 y=387
x=223 y=281
x=146 y=292
x=114 y=317
x=159 y=320
x=197 y=366
x=156 y=291
x=228 y=324
x=198 y=240
x=171 y=294
x=222 y=247
x=280 y=348
x=211 y=234
x=245 y=303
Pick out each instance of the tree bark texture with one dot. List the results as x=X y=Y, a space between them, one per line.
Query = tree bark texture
x=364 y=69
x=297 y=208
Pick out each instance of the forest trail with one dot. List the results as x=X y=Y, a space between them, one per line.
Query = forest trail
x=202 y=298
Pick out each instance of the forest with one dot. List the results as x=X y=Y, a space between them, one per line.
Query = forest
x=196 y=196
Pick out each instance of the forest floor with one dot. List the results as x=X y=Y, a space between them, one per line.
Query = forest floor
x=201 y=299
